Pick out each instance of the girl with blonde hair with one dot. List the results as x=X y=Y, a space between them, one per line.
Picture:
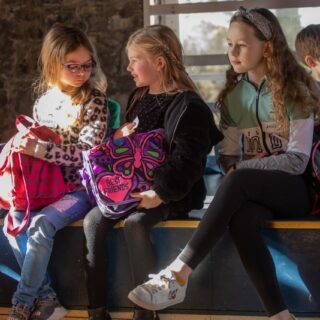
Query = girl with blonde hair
x=72 y=102
x=165 y=98
x=267 y=108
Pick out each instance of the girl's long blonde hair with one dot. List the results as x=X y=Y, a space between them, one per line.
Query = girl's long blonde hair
x=58 y=42
x=159 y=40
x=287 y=79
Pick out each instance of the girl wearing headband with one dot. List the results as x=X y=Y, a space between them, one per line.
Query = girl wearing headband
x=267 y=107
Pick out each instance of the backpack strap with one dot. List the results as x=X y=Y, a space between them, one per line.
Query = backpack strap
x=14 y=231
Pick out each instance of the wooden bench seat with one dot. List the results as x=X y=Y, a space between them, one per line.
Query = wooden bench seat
x=218 y=286
x=303 y=223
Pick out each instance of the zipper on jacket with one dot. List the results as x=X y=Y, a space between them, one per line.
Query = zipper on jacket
x=258 y=91
x=175 y=128
x=264 y=140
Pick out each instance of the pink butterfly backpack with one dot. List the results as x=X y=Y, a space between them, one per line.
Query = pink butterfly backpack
x=115 y=169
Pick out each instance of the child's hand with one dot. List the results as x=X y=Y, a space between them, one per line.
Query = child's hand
x=260 y=155
x=230 y=169
x=125 y=130
x=149 y=199
x=265 y=154
x=25 y=144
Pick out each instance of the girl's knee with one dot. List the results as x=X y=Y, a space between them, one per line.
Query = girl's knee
x=92 y=219
x=133 y=223
x=41 y=231
x=87 y=223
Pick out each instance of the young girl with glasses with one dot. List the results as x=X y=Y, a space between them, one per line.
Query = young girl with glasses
x=267 y=107
x=72 y=102
x=165 y=98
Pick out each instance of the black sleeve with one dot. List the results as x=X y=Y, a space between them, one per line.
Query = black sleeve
x=193 y=139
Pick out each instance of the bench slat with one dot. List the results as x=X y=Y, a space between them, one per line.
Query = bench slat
x=192 y=224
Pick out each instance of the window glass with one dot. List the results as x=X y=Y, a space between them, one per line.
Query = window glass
x=205 y=33
x=153 y=2
x=199 y=33
x=209 y=80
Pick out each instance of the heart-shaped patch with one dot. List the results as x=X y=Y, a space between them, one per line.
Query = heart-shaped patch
x=115 y=187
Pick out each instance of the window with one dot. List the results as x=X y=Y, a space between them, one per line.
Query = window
x=201 y=27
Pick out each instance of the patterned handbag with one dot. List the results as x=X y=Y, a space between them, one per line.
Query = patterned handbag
x=28 y=183
x=312 y=173
x=115 y=169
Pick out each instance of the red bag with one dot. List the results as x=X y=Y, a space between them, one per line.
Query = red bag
x=28 y=183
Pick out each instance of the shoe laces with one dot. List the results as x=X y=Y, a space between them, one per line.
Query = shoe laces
x=19 y=311
x=158 y=282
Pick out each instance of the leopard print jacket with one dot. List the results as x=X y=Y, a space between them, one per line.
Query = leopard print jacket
x=55 y=110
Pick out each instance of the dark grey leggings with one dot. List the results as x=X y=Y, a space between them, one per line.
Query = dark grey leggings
x=244 y=200
x=137 y=228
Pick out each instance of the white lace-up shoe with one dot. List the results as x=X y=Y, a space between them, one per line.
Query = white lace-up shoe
x=160 y=292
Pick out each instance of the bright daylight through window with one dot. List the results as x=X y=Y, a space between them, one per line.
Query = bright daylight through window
x=201 y=27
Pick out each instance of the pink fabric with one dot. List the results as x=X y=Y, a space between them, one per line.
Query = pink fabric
x=28 y=183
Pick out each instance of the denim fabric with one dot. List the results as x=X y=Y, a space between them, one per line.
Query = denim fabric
x=33 y=247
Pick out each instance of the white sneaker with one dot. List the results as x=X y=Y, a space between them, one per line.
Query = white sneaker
x=160 y=292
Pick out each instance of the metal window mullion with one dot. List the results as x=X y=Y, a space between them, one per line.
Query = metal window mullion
x=146 y=12
x=218 y=77
x=206 y=60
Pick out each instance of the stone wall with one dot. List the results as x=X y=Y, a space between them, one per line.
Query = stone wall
x=23 y=24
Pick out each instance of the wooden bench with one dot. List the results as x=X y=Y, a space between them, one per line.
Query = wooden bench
x=218 y=286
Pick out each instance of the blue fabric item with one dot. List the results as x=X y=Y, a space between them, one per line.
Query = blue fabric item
x=212 y=166
x=33 y=247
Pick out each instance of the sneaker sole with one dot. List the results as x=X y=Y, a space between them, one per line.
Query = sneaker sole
x=153 y=307
x=58 y=314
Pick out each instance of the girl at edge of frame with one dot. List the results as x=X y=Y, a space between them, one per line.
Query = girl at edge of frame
x=269 y=100
x=165 y=98
x=72 y=102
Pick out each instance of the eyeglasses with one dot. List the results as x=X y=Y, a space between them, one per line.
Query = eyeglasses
x=77 y=67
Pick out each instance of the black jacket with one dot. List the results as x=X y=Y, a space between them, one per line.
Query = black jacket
x=190 y=134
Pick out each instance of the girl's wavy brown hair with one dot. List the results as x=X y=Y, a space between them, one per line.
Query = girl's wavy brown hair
x=58 y=42
x=287 y=79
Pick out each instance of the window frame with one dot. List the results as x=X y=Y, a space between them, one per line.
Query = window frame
x=216 y=6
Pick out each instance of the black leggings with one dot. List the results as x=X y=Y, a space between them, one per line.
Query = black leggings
x=137 y=228
x=244 y=200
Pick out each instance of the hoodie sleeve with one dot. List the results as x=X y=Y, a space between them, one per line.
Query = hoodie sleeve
x=193 y=138
x=295 y=159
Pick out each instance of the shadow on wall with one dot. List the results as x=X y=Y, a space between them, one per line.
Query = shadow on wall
x=23 y=26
